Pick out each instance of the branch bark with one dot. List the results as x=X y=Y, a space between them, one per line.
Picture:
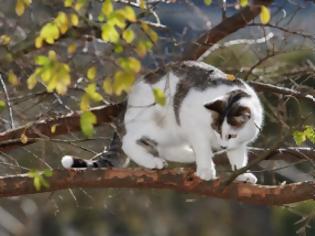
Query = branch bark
x=181 y=180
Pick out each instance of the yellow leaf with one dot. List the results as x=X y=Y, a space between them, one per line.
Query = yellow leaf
x=128 y=35
x=53 y=128
x=31 y=81
x=39 y=42
x=72 y=48
x=74 y=19
x=230 y=77
x=85 y=103
x=107 y=7
x=208 y=2
x=91 y=73
x=13 y=80
x=159 y=96
x=109 y=33
x=5 y=39
x=264 y=15
x=52 y=55
x=243 y=3
x=23 y=138
x=143 y=4
x=92 y=93
x=108 y=86
x=50 y=32
x=68 y=3
x=62 y=22
x=123 y=81
x=129 y=13
x=130 y=64
x=141 y=49
x=135 y=64
x=19 y=7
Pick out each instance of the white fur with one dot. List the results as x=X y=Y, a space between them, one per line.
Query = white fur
x=193 y=140
x=67 y=161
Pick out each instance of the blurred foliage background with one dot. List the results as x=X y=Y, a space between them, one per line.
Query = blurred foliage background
x=92 y=60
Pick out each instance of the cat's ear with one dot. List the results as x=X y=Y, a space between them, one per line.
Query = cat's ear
x=240 y=116
x=217 y=106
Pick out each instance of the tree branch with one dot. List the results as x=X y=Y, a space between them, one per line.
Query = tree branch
x=64 y=124
x=225 y=28
x=181 y=180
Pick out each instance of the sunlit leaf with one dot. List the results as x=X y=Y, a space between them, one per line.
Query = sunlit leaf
x=23 y=138
x=74 y=19
x=128 y=35
x=230 y=77
x=12 y=78
x=243 y=3
x=130 y=64
x=50 y=32
x=108 y=86
x=107 y=7
x=68 y=3
x=92 y=93
x=39 y=42
x=85 y=103
x=159 y=96
x=299 y=137
x=87 y=121
x=207 y=2
x=62 y=22
x=72 y=48
x=264 y=15
x=109 y=33
x=5 y=39
x=91 y=73
x=53 y=128
x=123 y=81
x=129 y=13
x=310 y=133
x=19 y=7
x=31 y=81
x=2 y=105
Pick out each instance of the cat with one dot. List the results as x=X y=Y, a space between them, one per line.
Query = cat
x=204 y=112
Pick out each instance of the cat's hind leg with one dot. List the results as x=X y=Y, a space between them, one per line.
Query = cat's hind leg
x=143 y=151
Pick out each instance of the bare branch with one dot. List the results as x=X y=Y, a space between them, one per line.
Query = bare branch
x=181 y=180
x=225 y=28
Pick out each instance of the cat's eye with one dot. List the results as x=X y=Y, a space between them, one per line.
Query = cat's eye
x=229 y=136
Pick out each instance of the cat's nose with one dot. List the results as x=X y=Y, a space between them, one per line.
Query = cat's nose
x=223 y=147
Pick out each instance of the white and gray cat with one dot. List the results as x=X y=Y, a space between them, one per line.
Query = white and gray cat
x=204 y=112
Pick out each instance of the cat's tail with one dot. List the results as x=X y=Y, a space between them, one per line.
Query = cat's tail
x=110 y=158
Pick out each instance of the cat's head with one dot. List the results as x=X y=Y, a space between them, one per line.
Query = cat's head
x=232 y=119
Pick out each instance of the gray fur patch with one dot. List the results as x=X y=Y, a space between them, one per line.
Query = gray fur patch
x=200 y=78
x=149 y=145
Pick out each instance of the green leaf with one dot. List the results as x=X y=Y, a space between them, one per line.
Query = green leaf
x=2 y=105
x=299 y=137
x=159 y=96
x=264 y=15
x=129 y=13
x=42 y=60
x=310 y=133
x=68 y=3
x=87 y=121
x=208 y=2
x=50 y=32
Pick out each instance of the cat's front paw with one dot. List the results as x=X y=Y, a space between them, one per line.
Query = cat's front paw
x=159 y=163
x=247 y=177
x=206 y=173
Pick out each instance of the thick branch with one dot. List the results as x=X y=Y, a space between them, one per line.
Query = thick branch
x=65 y=124
x=181 y=180
x=225 y=28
